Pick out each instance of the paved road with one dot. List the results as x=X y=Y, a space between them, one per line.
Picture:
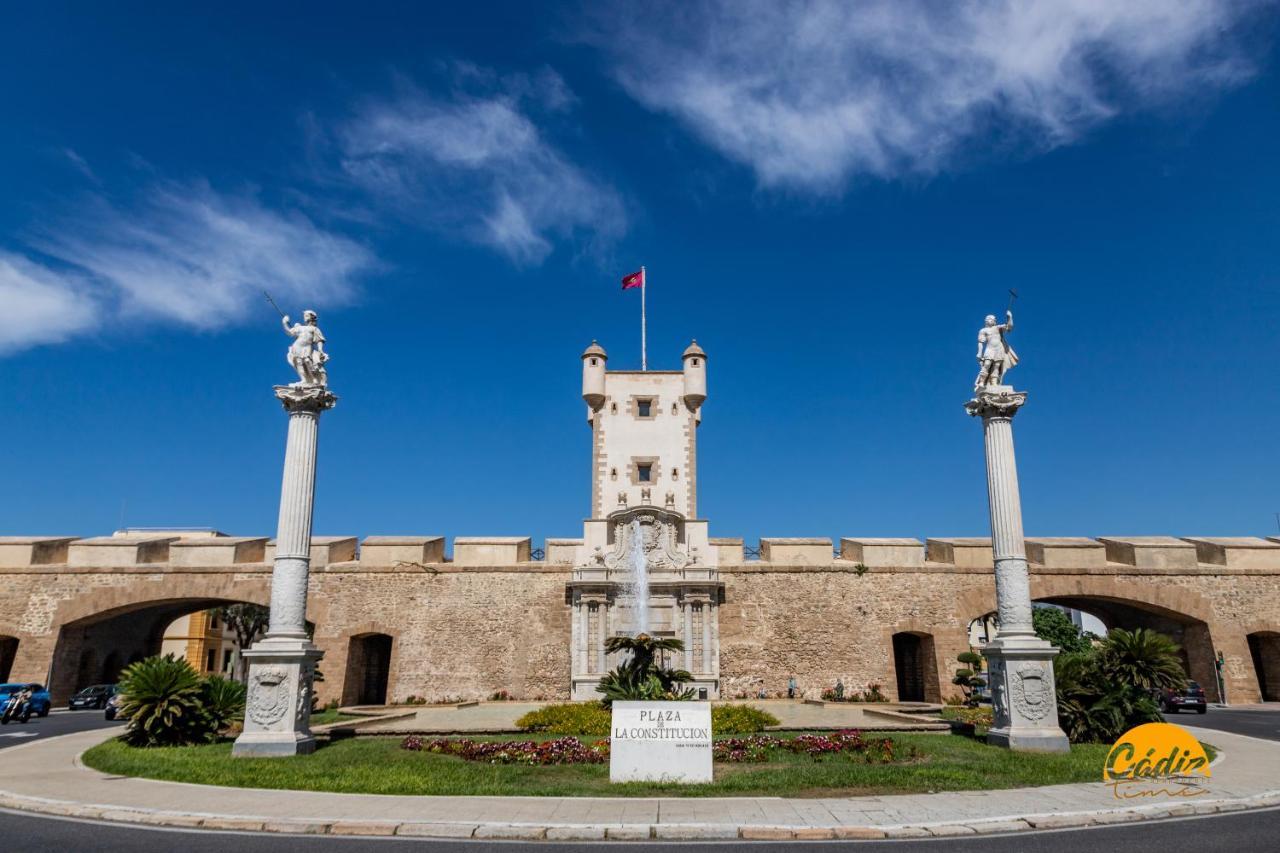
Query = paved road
x=1232 y=833
x=57 y=723
x=1254 y=721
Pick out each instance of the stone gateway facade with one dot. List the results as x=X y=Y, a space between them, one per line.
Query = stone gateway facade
x=400 y=617
x=890 y=612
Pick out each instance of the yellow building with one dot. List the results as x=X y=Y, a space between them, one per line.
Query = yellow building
x=203 y=640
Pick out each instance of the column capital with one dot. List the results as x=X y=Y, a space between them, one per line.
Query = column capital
x=995 y=401
x=305 y=398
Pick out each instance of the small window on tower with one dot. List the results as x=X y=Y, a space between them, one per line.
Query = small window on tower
x=695 y=362
x=593 y=362
x=644 y=473
x=613 y=408
x=644 y=408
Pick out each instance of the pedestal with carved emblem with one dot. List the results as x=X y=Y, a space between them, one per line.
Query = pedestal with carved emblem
x=1020 y=664
x=277 y=719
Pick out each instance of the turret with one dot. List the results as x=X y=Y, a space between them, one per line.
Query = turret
x=695 y=376
x=593 y=362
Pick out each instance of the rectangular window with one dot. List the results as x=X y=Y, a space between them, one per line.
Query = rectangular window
x=644 y=473
x=644 y=408
x=210 y=660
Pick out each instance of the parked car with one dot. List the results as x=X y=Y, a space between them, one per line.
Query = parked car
x=113 y=706
x=41 y=701
x=94 y=697
x=1190 y=698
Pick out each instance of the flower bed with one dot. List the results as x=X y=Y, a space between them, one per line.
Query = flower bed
x=564 y=750
x=848 y=742
x=755 y=748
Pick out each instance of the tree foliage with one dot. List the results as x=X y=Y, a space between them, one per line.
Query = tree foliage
x=969 y=678
x=644 y=675
x=1054 y=625
x=247 y=622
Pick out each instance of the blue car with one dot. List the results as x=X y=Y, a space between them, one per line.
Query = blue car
x=41 y=701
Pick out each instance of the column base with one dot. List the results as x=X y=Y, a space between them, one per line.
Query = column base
x=277 y=718
x=1023 y=696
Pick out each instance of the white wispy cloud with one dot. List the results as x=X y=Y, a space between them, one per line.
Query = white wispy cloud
x=478 y=165
x=41 y=306
x=179 y=252
x=808 y=93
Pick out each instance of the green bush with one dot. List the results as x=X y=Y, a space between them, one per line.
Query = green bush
x=163 y=700
x=223 y=701
x=593 y=719
x=570 y=718
x=740 y=719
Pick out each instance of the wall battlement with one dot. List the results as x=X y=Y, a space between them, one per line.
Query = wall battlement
x=1107 y=554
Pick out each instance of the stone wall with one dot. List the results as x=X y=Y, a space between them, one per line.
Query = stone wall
x=468 y=631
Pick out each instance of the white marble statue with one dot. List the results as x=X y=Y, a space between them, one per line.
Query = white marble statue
x=306 y=354
x=995 y=356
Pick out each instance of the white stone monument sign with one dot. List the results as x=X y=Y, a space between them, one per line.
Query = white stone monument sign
x=660 y=742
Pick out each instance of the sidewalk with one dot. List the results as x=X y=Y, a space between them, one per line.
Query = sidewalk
x=46 y=777
x=502 y=716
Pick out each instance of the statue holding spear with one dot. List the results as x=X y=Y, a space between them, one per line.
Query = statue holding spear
x=306 y=354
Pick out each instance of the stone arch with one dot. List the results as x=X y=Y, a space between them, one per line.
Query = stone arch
x=366 y=656
x=1121 y=602
x=8 y=652
x=111 y=627
x=1264 y=651
x=918 y=653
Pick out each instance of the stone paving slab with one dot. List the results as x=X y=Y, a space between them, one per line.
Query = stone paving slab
x=46 y=777
x=490 y=717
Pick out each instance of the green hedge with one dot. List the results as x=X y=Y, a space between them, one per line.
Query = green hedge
x=590 y=718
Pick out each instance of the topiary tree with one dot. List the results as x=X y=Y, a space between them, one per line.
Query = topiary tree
x=643 y=676
x=163 y=700
x=1054 y=625
x=970 y=677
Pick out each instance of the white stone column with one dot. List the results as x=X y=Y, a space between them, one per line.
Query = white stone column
x=686 y=611
x=277 y=717
x=1020 y=664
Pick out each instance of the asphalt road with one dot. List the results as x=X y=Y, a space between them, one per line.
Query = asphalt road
x=59 y=722
x=1231 y=833
x=1254 y=721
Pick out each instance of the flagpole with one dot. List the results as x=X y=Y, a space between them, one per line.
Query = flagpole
x=644 y=358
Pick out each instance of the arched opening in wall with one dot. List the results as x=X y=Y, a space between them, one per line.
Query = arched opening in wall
x=368 y=668
x=97 y=648
x=1190 y=633
x=1264 y=648
x=8 y=651
x=915 y=666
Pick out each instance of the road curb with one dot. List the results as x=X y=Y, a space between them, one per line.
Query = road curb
x=627 y=832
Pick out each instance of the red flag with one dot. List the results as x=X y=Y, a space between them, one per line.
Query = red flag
x=636 y=279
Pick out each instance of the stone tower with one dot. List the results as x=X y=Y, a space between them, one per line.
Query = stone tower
x=644 y=484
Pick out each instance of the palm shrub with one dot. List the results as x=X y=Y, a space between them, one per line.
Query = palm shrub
x=163 y=700
x=223 y=701
x=644 y=676
x=1142 y=657
x=1106 y=691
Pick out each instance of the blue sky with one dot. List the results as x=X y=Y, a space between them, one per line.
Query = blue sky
x=828 y=198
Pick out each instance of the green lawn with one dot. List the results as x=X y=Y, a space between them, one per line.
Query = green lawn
x=380 y=766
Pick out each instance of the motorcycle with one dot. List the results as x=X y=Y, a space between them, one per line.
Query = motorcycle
x=16 y=708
